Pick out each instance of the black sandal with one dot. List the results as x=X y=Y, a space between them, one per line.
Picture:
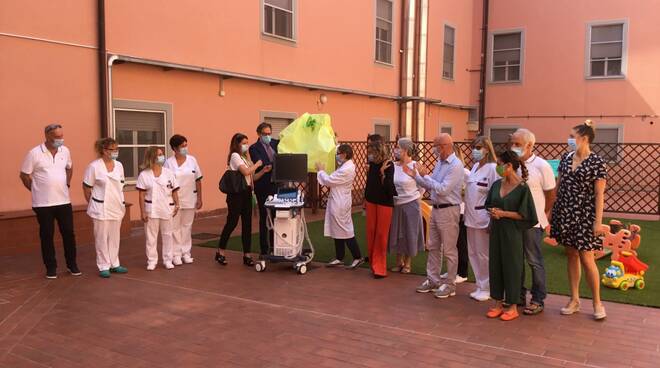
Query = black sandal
x=248 y=261
x=533 y=309
x=221 y=259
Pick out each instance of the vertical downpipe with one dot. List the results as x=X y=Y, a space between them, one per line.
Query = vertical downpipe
x=102 y=60
x=484 y=58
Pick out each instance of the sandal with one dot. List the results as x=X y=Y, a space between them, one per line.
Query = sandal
x=220 y=259
x=396 y=268
x=495 y=312
x=405 y=270
x=510 y=315
x=533 y=309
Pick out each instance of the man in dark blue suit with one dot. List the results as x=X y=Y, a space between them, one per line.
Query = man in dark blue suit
x=264 y=149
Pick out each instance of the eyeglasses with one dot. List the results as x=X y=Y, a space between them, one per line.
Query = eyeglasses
x=51 y=127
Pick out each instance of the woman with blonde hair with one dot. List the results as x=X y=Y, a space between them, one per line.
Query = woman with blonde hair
x=103 y=185
x=159 y=203
x=478 y=183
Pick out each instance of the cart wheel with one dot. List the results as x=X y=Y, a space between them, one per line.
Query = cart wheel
x=260 y=266
x=624 y=286
x=639 y=284
x=302 y=269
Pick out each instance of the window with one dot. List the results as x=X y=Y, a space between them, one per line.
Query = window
x=446 y=128
x=473 y=115
x=278 y=18
x=135 y=131
x=501 y=135
x=606 y=50
x=384 y=31
x=448 y=54
x=383 y=130
x=506 y=57
x=278 y=125
x=604 y=143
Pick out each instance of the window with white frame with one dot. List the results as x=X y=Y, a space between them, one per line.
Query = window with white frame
x=278 y=18
x=604 y=143
x=446 y=128
x=501 y=135
x=135 y=132
x=384 y=31
x=448 y=53
x=506 y=57
x=383 y=130
x=606 y=50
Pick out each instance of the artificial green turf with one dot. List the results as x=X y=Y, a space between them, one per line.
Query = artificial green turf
x=555 y=261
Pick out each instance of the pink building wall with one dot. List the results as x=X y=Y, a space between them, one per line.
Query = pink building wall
x=554 y=80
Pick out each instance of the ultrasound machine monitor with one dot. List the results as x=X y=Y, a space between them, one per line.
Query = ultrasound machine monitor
x=290 y=167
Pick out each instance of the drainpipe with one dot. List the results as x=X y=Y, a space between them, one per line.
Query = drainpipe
x=422 y=44
x=110 y=111
x=102 y=57
x=482 y=82
x=402 y=68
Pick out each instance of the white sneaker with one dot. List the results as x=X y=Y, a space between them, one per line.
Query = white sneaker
x=151 y=267
x=482 y=296
x=356 y=263
x=177 y=262
x=444 y=275
x=188 y=259
x=460 y=280
x=474 y=294
x=334 y=262
x=168 y=265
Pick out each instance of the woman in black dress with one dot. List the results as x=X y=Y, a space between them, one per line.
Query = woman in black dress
x=577 y=215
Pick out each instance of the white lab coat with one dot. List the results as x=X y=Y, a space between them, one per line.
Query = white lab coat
x=158 y=199
x=186 y=176
x=338 y=220
x=107 y=201
x=477 y=185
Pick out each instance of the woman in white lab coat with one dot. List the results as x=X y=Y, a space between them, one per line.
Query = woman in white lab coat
x=103 y=185
x=338 y=216
x=189 y=177
x=159 y=203
x=477 y=219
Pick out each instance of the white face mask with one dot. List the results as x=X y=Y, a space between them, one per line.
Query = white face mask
x=57 y=143
x=244 y=148
x=160 y=160
x=114 y=155
x=183 y=151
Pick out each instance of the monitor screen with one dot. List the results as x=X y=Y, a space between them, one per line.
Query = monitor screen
x=290 y=167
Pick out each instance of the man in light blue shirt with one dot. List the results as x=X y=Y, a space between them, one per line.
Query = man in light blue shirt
x=445 y=185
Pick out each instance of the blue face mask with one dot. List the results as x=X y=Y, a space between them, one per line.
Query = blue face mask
x=397 y=154
x=266 y=139
x=114 y=155
x=160 y=160
x=370 y=158
x=57 y=143
x=572 y=144
x=339 y=159
x=183 y=151
x=477 y=155
x=518 y=151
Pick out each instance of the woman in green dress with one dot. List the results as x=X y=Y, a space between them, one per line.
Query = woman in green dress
x=511 y=208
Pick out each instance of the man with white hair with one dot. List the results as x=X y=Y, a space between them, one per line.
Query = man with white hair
x=542 y=185
x=445 y=185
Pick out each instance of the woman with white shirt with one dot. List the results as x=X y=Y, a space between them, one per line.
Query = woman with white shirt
x=477 y=219
x=159 y=203
x=103 y=185
x=189 y=176
x=239 y=205
x=406 y=237
x=338 y=216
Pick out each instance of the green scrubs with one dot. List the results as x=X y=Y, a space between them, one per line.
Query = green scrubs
x=506 y=241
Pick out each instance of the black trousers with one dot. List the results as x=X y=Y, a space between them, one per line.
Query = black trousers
x=462 y=245
x=265 y=236
x=238 y=206
x=46 y=217
x=352 y=245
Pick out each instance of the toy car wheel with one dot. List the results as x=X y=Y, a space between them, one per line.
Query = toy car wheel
x=639 y=284
x=302 y=269
x=260 y=266
x=624 y=286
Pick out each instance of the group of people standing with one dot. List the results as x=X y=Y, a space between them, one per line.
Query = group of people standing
x=504 y=203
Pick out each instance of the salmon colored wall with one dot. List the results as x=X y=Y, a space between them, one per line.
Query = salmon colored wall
x=554 y=59
x=438 y=116
x=209 y=121
x=459 y=90
x=335 y=40
x=44 y=83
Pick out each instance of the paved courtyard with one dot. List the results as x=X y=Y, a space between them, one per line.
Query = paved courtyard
x=205 y=315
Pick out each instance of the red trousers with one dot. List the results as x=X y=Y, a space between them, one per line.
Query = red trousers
x=378 y=230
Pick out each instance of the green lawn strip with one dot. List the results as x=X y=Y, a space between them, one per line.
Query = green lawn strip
x=555 y=261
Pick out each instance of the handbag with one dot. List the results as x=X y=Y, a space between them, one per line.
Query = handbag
x=232 y=182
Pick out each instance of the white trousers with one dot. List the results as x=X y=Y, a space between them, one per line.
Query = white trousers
x=478 y=247
x=182 y=232
x=151 y=233
x=106 y=240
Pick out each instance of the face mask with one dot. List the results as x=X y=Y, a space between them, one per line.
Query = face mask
x=244 y=148
x=339 y=159
x=57 y=143
x=370 y=158
x=183 y=151
x=436 y=151
x=397 y=154
x=266 y=139
x=160 y=160
x=500 y=170
x=114 y=155
x=572 y=144
x=518 y=151
x=477 y=155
